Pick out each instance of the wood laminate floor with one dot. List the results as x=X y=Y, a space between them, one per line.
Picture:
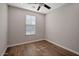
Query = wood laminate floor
x=40 y=48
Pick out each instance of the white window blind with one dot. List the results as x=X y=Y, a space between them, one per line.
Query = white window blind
x=30 y=25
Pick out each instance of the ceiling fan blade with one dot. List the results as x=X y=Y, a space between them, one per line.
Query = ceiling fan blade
x=38 y=8
x=47 y=6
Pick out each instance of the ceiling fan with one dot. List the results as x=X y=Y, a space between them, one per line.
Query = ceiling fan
x=40 y=5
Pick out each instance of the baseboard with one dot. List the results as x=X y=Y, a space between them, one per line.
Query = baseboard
x=63 y=47
x=24 y=42
x=4 y=51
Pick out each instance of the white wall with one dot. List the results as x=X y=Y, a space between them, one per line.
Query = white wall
x=17 y=18
x=3 y=27
x=62 y=26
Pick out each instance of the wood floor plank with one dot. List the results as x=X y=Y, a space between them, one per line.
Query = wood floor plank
x=40 y=48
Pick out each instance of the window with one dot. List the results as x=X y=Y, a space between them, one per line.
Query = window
x=30 y=25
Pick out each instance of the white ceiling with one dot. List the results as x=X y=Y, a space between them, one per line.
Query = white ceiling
x=33 y=7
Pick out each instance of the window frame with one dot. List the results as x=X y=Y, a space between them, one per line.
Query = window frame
x=29 y=25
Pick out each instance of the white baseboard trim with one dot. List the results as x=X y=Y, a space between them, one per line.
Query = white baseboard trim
x=4 y=51
x=63 y=47
x=24 y=42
